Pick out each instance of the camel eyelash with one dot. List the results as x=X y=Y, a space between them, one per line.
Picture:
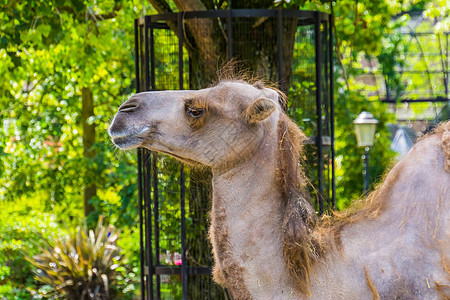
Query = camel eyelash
x=195 y=112
x=195 y=108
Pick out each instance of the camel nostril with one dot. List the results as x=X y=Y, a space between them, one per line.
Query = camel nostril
x=128 y=107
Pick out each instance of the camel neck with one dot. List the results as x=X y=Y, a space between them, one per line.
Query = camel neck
x=246 y=224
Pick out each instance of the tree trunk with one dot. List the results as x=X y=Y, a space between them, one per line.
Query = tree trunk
x=90 y=189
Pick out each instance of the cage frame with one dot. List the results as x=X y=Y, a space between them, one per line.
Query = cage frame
x=146 y=160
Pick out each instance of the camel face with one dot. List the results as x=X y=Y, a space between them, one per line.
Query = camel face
x=214 y=127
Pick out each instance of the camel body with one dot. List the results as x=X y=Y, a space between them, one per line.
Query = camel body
x=267 y=241
x=403 y=251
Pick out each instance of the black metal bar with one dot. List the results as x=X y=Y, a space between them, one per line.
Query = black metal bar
x=139 y=161
x=280 y=48
x=326 y=104
x=148 y=223
x=147 y=166
x=152 y=60
x=319 y=111
x=141 y=59
x=229 y=34
x=184 y=270
x=332 y=117
x=137 y=55
x=182 y=180
x=180 y=50
x=175 y=270
x=241 y=13
x=141 y=222
x=146 y=58
x=156 y=25
x=156 y=220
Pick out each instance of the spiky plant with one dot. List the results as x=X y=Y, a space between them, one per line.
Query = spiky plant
x=80 y=265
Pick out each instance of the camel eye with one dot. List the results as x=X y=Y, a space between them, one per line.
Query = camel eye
x=195 y=112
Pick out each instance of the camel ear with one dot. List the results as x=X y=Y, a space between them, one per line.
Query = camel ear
x=259 y=110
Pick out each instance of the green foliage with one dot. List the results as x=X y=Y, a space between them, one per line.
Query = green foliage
x=49 y=51
x=23 y=225
x=392 y=58
x=15 y=271
x=81 y=265
x=49 y=56
x=440 y=11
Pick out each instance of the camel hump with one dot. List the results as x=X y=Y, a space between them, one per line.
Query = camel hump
x=446 y=144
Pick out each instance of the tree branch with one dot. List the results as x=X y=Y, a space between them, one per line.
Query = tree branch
x=200 y=30
x=187 y=5
x=161 y=6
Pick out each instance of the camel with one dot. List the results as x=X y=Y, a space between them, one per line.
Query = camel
x=268 y=242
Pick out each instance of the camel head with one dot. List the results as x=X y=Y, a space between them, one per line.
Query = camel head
x=229 y=125
x=214 y=127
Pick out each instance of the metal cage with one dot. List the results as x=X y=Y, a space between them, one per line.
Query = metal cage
x=162 y=63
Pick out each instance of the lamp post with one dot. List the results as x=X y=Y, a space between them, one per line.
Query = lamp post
x=365 y=125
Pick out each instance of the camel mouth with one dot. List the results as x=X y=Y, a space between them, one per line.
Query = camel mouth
x=127 y=142
x=131 y=142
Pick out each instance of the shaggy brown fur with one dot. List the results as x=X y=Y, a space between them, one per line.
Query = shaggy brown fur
x=233 y=71
x=226 y=270
x=363 y=209
x=299 y=248
x=371 y=286
x=443 y=289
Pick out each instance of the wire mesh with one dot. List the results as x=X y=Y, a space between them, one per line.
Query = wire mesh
x=421 y=69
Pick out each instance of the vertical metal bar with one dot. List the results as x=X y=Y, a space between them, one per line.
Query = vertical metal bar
x=326 y=73
x=141 y=222
x=137 y=44
x=333 y=153
x=156 y=220
x=280 y=49
x=182 y=191
x=146 y=166
x=230 y=34
x=146 y=56
x=326 y=104
x=152 y=60
x=150 y=83
x=137 y=48
x=180 y=51
x=319 y=109
x=183 y=233
x=141 y=59
x=148 y=222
